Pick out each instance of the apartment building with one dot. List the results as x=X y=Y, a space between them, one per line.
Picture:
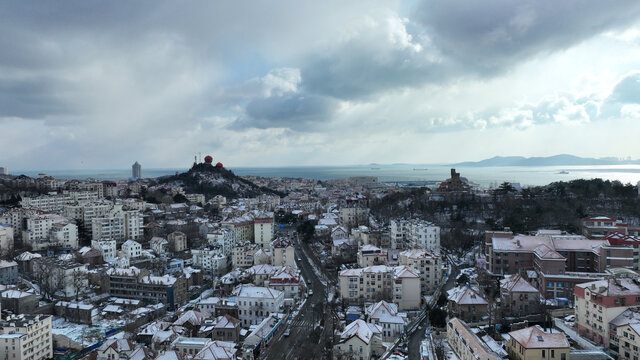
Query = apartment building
x=8 y=272
x=599 y=302
x=624 y=335
x=138 y=284
x=242 y=229
x=242 y=255
x=223 y=237
x=255 y=303
x=26 y=337
x=6 y=239
x=619 y=239
x=65 y=278
x=107 y=247
x=370 y=255
x=159 y=245
x=518 y=297
x=599 y=227
x=211 y=260
x=415 y=234
x=57 y=202
x=283 y=252
x=400 y=285
x=287 y=280
x=534 y=343
x=466 y=303
x=177 y=241
x=263 y=229
x=46 y=230
x=353 y=216
x=425 y=263
x=466 y=344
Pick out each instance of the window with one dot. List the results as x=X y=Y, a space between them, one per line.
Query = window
x=544 y=354
x=553 y=353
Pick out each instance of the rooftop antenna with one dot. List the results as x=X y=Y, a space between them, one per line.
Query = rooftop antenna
x=199 y=156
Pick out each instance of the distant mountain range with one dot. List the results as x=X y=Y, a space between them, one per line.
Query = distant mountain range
x=556 y=160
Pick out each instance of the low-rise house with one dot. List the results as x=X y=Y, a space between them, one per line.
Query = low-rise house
x=116 y=349
x=159 y=245
x=359 y=340
x=533 y=343
x=255 y=303
x=386 y=316
x=518 y=297
x=189 y=346
x=466 y=344
x=466 y=303
x=217 y=350
x=344 y=248
x=89 y=256
x=19 y=302
x=287 y=280
x=370 y=255
x=132 y=249
x=76 y=312
x=192 y=320
x=224 y=327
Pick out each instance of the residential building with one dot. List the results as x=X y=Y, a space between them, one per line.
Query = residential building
x=136 y=170
x=65 y=278
x=466 y=344
x=255 y=303
x=6 y=239
x=242 y=254
x=359 y=340
x=76 y=312
x=8 y=272
x=386 y=316
x=46 y=230
x=177 y=241
x=26 y=337
x=107 y=247
x=223 y=237
x=344 y=248
x=624 y=335
x=211 y=260
x=131 y=249
x=619 y=239
x=242 y=229
x=353 y=216
x=283 y=252
x=226 y=328
x=466 y=303
x=113 y=349
x=400 y=285
x=57 y=202
x=425 y=263
x=263 y=229
x=218 y=350
x=287 y=280
x=415 y=234
x=518 y=297
x=138 y=284
x=599 y=227
x=599 y=302
x=534 y=343
x=370 y=255
x=19 y=302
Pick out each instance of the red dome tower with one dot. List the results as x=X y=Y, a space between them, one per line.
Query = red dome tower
x=219 y=165
x=208 y=159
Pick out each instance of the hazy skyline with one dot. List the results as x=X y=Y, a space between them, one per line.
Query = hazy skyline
x=87 y=84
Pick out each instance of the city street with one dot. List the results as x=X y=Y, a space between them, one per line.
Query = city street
x=296 y=345
x=416 y=338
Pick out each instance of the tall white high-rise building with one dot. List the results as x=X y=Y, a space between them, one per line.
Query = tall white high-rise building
x=4 y=171
x=136 y=170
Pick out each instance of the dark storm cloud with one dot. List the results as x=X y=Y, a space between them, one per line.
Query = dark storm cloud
x=31 y=98
x=493 y=35
x=295 y=111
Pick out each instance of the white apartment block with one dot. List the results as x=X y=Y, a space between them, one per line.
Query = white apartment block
x=263 y=229
x=415 y=234
x=196 y=198
x=224 y=237
x=26 y=337
x=57 y=202
x=118 y=224
x=353 y=216
x=45 y=230
x=212 y=261
x=255 y=303
x=283 y=253
x=427 y=264
x=242 y=229
x=6 y=239
x=107 y=247
x=400 y=285
x=63 y=275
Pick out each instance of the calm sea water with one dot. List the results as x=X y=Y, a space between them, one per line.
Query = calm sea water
x=484 y=176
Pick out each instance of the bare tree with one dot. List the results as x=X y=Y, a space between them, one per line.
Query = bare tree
x=79 y=281
x=437 y=345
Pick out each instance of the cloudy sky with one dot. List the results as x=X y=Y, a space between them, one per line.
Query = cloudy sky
x=88 y=84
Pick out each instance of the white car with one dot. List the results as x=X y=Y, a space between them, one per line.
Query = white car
x=310 y=292
x=287 y=332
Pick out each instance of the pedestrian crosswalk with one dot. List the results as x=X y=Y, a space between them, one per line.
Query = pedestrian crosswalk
x=300 y=322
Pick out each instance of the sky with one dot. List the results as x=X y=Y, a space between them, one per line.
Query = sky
x=101 y=84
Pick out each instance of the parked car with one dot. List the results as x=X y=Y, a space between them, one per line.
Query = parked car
x=287 y=332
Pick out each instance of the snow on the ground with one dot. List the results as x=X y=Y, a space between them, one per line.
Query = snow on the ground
x=82 y=333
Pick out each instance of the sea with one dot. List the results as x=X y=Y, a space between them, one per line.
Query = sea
x=484 y=177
